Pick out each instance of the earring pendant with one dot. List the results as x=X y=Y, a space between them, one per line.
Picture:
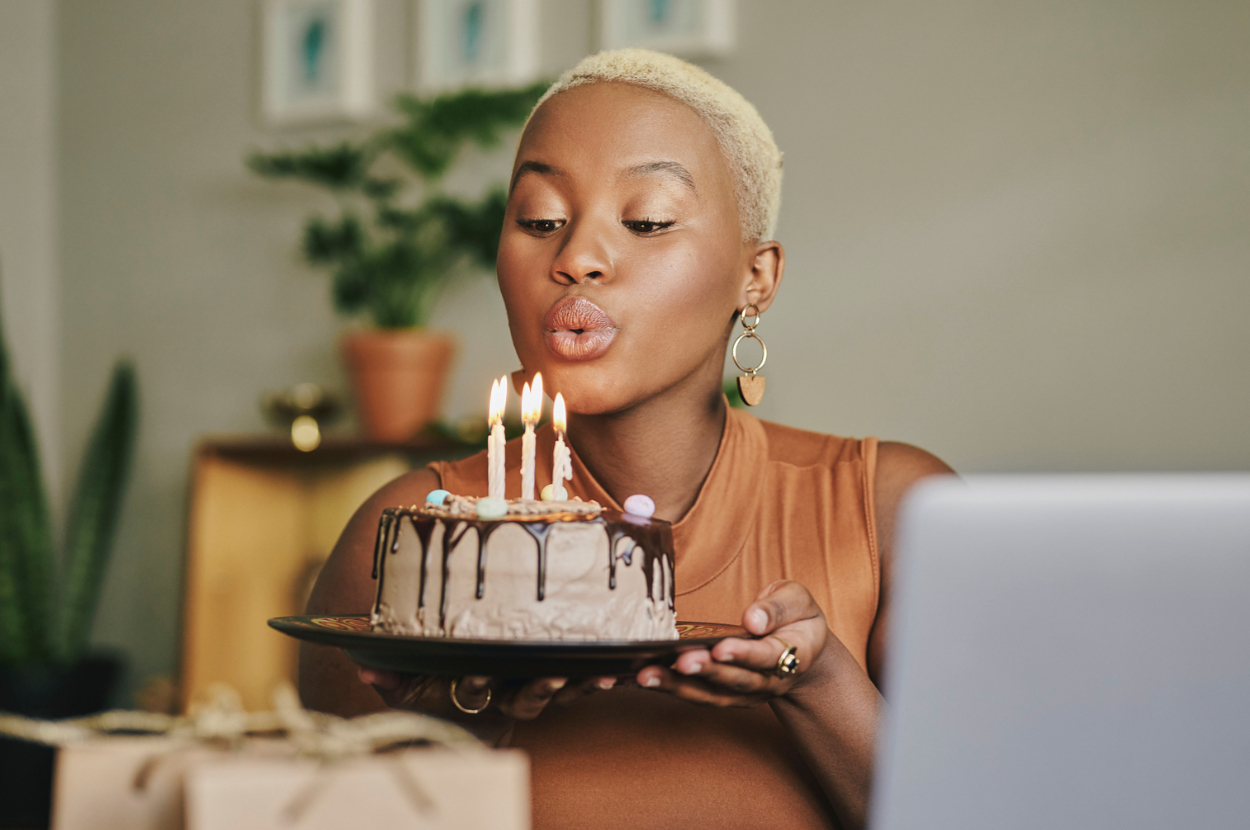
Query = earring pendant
x=750 y=384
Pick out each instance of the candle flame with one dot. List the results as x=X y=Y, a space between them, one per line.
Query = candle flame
x=532 y=401
x=498 y=401
x=558 y=417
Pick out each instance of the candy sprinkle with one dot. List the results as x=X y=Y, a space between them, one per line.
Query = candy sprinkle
x=548 y=493
x=491 y=507
x=640 y=505
x=437 y=497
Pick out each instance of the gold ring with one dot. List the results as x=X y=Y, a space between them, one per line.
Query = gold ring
x=464 y=708
x=787 y=663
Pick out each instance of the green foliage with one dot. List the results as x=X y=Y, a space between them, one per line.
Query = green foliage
x=398 y=240
x=94 y=510
x=43 y=619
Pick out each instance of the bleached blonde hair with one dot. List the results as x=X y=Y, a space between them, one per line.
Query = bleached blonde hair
x=744 y=138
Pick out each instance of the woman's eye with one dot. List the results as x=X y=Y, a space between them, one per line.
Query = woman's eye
x=541 y=225
x=645 y=226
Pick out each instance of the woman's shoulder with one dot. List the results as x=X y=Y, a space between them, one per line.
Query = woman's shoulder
x=894 y=459
x=797 y=447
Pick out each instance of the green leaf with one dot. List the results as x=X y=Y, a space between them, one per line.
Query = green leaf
x=95 y=507
x=341 y=167
x=332 y=242
x=26 y=557
x=474 y=228
x=437 y=128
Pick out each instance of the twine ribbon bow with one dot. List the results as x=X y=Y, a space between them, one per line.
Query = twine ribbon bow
x=222 y=722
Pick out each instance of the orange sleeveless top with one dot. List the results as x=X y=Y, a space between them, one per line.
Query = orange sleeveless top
x=778 y=503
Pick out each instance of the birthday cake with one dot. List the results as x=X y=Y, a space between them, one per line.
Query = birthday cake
x=524 y=569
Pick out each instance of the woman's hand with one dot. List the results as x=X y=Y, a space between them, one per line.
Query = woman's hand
x=501 y=703
x=739 y=672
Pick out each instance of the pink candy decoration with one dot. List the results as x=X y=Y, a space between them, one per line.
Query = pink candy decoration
x=640 y=505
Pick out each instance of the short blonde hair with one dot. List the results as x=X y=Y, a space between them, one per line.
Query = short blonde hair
x=743 y=136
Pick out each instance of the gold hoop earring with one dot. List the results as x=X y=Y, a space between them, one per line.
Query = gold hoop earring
x=750 y=385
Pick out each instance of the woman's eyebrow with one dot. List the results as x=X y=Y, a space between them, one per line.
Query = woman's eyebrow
x=534 y=167
x=670 y=167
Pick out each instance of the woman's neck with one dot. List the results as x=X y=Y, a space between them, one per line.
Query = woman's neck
x=663 y=448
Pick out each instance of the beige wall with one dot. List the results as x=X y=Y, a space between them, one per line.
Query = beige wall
x=28 y=256
x=1016 y=236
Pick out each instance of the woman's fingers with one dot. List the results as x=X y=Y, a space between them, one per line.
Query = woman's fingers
x=723 y=686
x=763 y=655
x=780 y=604
x=520 y=701
x=406 y=691
x=528 y=702
x=580 y=689
x=472 y=692
x=743 y=671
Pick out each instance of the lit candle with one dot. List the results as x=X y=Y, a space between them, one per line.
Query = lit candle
x=562 y=464
x=531 y=411
x=495 y=446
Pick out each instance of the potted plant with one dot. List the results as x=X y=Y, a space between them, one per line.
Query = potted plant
x=48 y=602
x=398 y=238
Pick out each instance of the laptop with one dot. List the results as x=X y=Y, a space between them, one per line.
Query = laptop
x=1070 y=652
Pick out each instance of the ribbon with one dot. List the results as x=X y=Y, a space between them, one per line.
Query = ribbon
x=222 y=722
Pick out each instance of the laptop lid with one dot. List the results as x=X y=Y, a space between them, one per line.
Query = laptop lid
x=1070 y=652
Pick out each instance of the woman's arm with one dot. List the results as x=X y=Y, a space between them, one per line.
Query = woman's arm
x=831 y=707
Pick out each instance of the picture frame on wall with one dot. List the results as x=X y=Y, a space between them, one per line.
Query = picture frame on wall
x=317 y=63
x=486 y=43
x=686 y=28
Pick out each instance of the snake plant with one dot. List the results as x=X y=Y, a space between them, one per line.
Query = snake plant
x=47 y=601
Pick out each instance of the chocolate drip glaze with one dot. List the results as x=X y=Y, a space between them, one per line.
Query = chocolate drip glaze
x=652 y=537
x=384 y=527
x=482 y=534
x=451 y=538
x=540 y=532
x=379 y=558
x=424 y=532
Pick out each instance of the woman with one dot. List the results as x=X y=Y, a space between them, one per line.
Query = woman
x=638 y=231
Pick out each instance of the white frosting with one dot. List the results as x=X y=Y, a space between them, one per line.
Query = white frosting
x=578 y=603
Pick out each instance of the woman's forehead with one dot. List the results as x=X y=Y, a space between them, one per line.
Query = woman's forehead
x=623 y=126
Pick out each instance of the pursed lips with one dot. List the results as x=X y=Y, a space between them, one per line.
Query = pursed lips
x=577 y=329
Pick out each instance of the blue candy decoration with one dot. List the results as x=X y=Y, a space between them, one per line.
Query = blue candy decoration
x=437 y=497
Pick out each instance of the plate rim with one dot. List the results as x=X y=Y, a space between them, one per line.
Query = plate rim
x=301 y=623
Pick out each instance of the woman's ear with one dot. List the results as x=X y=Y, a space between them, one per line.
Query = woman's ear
x=767 y=265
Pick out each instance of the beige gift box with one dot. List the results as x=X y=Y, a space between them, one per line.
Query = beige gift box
x=158 y=783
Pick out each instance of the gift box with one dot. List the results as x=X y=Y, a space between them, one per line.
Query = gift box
x=221 y=767
x=426 y=788
x=150 y=783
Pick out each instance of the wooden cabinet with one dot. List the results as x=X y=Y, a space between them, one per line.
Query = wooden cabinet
x=263 y=518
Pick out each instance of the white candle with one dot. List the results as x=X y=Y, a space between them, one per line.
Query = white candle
x=495 y=470
x=531 y=411
x=562 y=463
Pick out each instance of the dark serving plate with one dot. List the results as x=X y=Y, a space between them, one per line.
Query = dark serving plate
x=498 y=658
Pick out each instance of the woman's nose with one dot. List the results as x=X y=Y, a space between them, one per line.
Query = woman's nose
x=582 y=257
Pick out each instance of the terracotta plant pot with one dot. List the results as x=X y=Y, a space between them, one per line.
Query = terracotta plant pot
x=399 y=377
